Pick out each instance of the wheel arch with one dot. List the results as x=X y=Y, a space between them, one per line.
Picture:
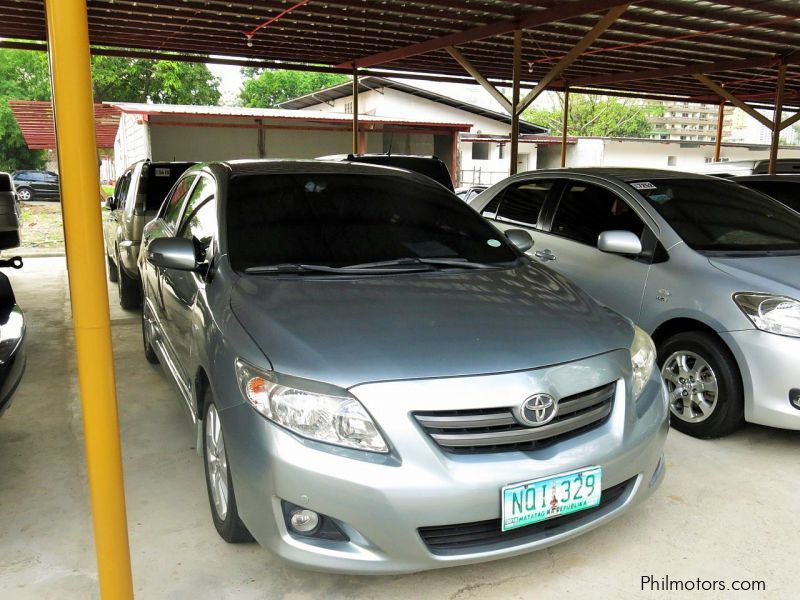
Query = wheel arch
x=682 y=325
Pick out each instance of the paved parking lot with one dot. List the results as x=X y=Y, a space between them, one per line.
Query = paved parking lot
x=728 y=510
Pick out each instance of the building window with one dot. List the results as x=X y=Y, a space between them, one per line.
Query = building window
x=480 y=151
x=501 y=151
x=348 y=107
x=672 y=161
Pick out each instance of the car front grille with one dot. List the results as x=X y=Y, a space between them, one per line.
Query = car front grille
x=482 y=536
x=497 y=430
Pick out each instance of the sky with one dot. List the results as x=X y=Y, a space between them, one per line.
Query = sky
x=231 y=82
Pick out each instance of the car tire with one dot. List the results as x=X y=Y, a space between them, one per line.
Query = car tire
x=25 y=194
x=149 y=351
x=113 y=273
x=130 y=292
x=9 y=239
x=704 y=384
x=219 y=485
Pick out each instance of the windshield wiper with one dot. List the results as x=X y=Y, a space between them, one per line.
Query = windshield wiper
x=302 y=268
x=434 y=262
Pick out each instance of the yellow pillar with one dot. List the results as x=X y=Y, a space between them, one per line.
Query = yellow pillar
x=68 y=35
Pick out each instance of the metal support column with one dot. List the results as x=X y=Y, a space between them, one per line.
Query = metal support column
x=776 y=119
x=355 y=109
x=517 y=73
x=564 y=125
x=68 y=37
x=720 y=124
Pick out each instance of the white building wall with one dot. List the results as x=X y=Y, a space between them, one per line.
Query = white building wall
x=131 y=143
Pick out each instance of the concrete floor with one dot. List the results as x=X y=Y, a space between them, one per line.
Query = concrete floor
x=728 y=509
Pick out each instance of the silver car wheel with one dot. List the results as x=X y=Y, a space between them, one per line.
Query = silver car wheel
x=216 y=463
x=692 y=386
x=24 y=194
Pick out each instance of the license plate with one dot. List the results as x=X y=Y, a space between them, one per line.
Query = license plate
x=537 y=500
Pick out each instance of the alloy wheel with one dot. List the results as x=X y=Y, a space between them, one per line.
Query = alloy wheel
x=24 y=195
x=216 y=462
x=692 y=386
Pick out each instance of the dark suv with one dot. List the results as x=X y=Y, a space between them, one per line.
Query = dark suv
x=36 y=185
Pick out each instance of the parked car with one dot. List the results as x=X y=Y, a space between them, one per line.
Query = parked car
x=784 y=188
x=12 y=338
x=381 y=380
x=709 y=268
x=733 y=168
x=9 y=213
x=469 y=192
x=36 y=185
x=137 y=197
x=430 y=166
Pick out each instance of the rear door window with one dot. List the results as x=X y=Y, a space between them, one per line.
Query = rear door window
x=587 y=210
x=521 y=203
x=171 y=211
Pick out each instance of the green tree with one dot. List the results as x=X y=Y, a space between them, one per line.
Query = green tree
x=267 y=88
x=23 y=76
x=117 y=79
x=591 y=115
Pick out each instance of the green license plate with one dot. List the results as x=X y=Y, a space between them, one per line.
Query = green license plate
x=541 y=499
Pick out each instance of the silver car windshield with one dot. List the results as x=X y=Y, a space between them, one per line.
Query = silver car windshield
x=719 y=216
x=352 y=220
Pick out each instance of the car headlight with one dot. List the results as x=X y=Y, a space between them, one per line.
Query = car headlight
x=643 y=359
x=773 y=314
x=302 y=407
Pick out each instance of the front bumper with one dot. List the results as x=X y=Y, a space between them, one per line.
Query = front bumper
x=12 y=356
x=129 y=257
x=381 y=501
x=768 y=364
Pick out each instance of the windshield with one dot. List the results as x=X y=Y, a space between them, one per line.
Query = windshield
x=787 y=192
x=340 y=220
x=717 y=215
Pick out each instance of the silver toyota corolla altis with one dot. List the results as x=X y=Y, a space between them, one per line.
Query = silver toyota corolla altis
x=384 y=382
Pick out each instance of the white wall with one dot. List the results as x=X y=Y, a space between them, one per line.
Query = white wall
x=131 y=143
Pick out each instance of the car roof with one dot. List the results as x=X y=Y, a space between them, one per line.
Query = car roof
x=268 y=166
x=793 y=177
x=624 y=173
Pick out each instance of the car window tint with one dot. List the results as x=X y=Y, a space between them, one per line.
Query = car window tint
x=586 y=210
x=712 y=214
x=201 y=226
x=122 y=189
x=5 y=182
x=522 y=202
x=192 y=219
x=172 y=209
x=787 y=192
x=347 y=219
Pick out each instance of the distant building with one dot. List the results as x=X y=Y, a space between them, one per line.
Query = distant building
x=684 y=121
x=746 y=129
x=483 y=150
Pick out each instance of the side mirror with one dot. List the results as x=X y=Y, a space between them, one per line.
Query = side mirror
x=111 y=203
x=619 y=242
x=520 y=238
x=172 y=253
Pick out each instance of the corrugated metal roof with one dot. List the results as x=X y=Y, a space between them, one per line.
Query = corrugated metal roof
x=35 y=120
x=278 y=114
x=652 y=50
x=366 y=84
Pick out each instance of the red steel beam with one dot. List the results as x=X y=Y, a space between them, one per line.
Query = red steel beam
x=560 y=13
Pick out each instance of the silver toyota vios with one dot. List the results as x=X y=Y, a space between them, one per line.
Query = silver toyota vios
x=382 y=381
x=709 y=268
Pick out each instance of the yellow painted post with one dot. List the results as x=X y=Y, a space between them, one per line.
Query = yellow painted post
x=68 y=35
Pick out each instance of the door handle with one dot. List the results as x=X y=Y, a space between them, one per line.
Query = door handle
x=545 y=255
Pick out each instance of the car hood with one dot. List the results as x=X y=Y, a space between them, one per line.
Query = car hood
x=357 y=330
x=771 y=274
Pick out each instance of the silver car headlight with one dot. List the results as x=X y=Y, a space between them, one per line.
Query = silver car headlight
x=770 y=313
x=332 y=416
x=643 y=360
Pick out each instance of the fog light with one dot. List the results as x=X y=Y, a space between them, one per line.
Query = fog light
x=304 y=520
x=794 y=398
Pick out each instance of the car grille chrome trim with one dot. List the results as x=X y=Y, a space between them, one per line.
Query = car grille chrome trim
x=483 y=536
x=497 y=430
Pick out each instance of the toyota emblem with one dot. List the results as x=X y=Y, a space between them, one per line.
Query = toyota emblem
x=538 y=410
